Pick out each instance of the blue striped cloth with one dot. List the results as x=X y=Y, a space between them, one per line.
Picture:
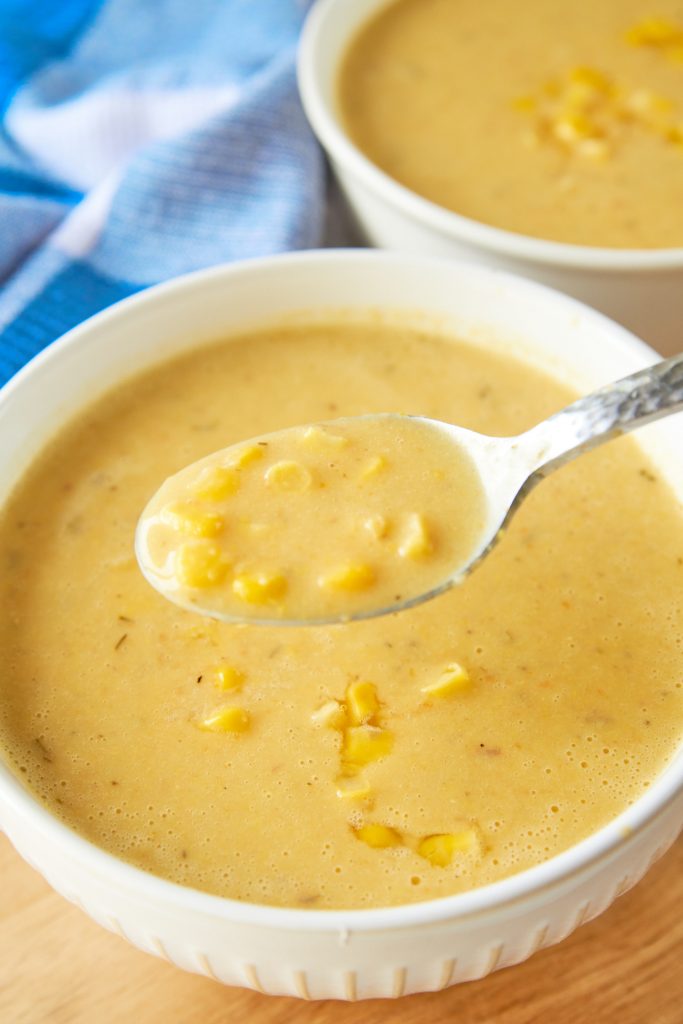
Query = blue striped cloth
x=143 y=139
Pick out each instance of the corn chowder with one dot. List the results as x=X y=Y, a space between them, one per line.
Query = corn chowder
x=316 y=522
x=562 y=121
x=368 y=764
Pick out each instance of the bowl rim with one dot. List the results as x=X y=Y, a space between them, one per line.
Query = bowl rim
x=553 y=874
x=499 y=241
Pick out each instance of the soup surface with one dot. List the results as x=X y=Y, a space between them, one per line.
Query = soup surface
x=563 y=121
x=368 y=764
x=316 y=522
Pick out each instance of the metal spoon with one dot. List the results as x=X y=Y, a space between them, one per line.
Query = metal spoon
x=509 y=468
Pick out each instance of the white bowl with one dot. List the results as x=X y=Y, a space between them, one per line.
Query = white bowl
x=642 y=288
x=334 y=954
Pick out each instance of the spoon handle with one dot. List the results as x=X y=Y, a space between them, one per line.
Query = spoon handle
x=615 y=409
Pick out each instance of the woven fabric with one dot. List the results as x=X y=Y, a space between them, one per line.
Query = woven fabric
x=143 y=139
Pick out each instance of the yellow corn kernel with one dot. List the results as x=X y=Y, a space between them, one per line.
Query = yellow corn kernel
x=200 y=563
x=378 y=836
x=524 y=104
x=416 y=541
x=353 y=576
x=658 y=32
x=585 y=89
x=216 y=483
x=579 y=97
x=322 y=440
x=366 y=743
x=440 y=849
x=330 y=715
x=288 y=476
x=362 y=702
x=353 y=787
x=454 y=679
x=675 y=53
x=187 y=518
x=245 y=456
x=572 y=126
x=228 y=677
x=377 y=526
x=591 y=78
x=259 y=587
x=374 y=466
x=227 y=719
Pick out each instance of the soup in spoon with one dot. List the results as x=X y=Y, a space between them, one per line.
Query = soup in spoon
x=315 y=523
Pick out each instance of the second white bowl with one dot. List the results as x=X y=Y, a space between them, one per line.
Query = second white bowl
x=641 y=288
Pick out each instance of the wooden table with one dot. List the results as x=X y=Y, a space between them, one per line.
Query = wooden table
x=58 y=967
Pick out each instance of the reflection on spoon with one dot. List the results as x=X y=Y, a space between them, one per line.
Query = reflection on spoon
x=363 y=516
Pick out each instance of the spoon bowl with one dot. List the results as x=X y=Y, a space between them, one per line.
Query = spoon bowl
x=432 y=504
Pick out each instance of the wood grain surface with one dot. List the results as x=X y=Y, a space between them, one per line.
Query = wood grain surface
x=58 y=967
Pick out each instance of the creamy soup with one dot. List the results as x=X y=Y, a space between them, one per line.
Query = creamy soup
x=560 y=120
x=318 y=522
x=367 y=764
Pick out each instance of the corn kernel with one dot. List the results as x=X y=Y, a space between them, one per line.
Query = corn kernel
x=187 y=518
x=227 y=719
x=379 y=837
x=366 y=743
x=591 y=78
x=228 y=677
x=354 y=576
x=200 y=563
x=579 y=97
x=454 y=679
x=377 y=526
x=288 y=476
x=217 y=483
x=245 y=456
x=353 y=787
x=259 y=587
x=658 y=32
x=362 y=702
x=440 y=849
x=573 y=126
x=330 y=715
x=416 y=541
x=322 y=440
x=374 y=466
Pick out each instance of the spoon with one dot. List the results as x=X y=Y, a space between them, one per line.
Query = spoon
x=498 y=473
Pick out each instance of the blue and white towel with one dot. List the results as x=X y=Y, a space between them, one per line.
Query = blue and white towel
x=142 y=139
